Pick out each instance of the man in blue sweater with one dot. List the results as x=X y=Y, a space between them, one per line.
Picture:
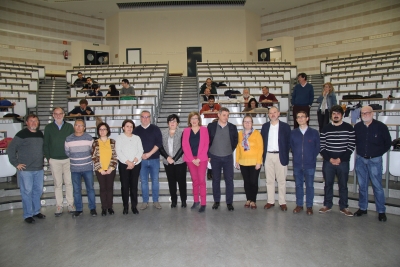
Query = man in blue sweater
x=302 y=97
x=337 y=145
x=304 y=142
x=151 y=138
x=372 y=141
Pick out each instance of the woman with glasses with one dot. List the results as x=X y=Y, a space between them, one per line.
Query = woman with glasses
x=129 y=151
x=326 y=101
x=105 y=162
x=249 y=152
x=174 y=165
x=195 y=141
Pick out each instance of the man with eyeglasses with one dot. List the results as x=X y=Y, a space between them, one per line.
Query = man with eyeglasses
x=304 y=142
x=55 y=134
x=337 y=145
x=372 y=141
x=276 y=138
x=151 y=138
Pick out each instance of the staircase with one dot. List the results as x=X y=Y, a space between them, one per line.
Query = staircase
x=51 y=94
x=180 y=98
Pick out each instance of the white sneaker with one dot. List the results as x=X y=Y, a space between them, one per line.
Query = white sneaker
x=71 y=208
x=144 y=206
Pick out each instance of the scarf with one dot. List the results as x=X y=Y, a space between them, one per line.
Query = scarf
x=323 y=105
x=245 y=141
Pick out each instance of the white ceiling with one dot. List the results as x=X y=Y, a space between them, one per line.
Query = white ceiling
x=107 y=8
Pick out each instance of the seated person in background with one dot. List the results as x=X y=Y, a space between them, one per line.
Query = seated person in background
x=245 y=97
x=251 y=106
x=83 y=109
x=96 y=92
x=207 y=93
x=211 y=109
x=126 y=88
x=5 y=103
x=267 y=99
x=208 y=84
x=80 y=82
x=89 y=84
x=112 y=91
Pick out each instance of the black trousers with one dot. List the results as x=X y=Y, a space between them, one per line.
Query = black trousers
x=129 y=183
x=323 y=119
x=250 y=178
x=176 y=174
x=297 y=109
x=106 y=183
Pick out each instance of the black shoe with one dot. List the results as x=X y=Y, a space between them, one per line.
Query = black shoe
x=209 y=176
x=173 y=205
x=93 y=213
x=111 y=211
x=29 y=220
x=135 y=211
x=215 y=206
x=360 y=212
x=40 y=216
x=230 y=207
x=125 y=211
x=202 y=208
x=183 y=204
x=195 y=205
x=382 y=217
x=103 y=212
x=77 y=214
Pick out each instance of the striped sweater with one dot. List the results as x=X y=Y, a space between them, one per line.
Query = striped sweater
x=79 y=151
x=337 y=141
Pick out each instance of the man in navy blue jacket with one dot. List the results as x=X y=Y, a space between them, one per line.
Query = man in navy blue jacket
x=372 y=141
x=302 y=97
x=304 y=142
x=276 y=137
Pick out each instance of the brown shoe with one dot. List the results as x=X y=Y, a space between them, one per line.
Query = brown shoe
x=284 y=207
x=268 y=206
x=298 y=209
x=324 y=209
x=347 y=212
x=253 y=205
x=309 y=211
x=247 y=205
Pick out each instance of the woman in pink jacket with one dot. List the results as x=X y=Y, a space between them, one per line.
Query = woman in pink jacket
x=195 y=142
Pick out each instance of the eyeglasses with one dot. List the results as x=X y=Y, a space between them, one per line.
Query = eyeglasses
x=366 y=113
x=103 y=129
x=299 y=117
x=144 y=117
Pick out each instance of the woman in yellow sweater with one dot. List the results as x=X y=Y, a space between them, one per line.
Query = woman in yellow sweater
x=249 y=152
x=105 y=162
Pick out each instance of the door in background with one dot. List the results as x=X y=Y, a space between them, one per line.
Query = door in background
x=193 y=56
x=133 y=56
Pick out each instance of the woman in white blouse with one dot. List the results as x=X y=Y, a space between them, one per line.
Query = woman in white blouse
x=129 y=151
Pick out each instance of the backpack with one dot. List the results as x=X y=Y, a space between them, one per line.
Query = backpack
x=231 y=93
x=375 y=106
x=352 y=97
x=374 y=96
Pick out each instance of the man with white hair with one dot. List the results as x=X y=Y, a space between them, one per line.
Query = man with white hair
x=372 y=141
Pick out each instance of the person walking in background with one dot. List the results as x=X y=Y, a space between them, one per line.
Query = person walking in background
x=129 y=150
x=249 y=151
x=174 y=165
x=326 y=101
x=195 y=142
x=105 y=162
x=25 y=152
x=302 y=97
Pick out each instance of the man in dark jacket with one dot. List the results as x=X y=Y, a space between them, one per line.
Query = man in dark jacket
x=83 y=109
x=302 y=97
x=304 y=142
x=209 y=84
x=276 y=137
x=223 y=141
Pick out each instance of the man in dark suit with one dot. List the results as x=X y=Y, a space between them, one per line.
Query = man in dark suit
x=223 y=141
x=276 y=137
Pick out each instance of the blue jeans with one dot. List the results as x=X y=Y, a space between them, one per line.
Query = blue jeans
x=226 y=165
x=307 y=176
x=77 y=184
x=152 y=167
x=342 y=172
x=31 y=187
x=372 y=169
